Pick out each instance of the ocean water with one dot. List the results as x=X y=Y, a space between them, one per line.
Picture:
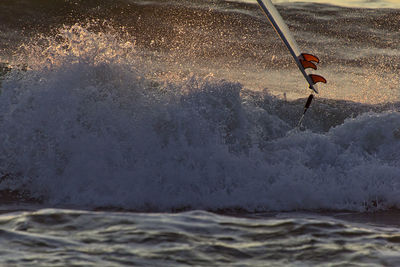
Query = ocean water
x=163 y=133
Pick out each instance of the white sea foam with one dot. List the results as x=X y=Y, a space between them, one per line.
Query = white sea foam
x=84 y=126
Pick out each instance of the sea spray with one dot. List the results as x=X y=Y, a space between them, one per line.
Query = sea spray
x=86 y=123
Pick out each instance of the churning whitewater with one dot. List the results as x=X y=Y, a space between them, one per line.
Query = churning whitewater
x=163 y=133
x=87 y=122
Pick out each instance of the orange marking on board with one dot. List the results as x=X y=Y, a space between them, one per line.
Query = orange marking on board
x=316 y=78
x=310 y=57
x=308 y=64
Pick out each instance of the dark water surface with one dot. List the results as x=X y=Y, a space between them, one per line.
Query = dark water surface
x=69 y=237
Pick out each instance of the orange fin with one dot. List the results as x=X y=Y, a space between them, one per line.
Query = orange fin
x=308 y=64
x=310 y=57
x=316 y=78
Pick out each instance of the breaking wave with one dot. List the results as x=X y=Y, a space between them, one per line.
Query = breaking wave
x=86 y=122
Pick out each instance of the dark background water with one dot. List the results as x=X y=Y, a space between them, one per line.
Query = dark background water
x=358 y=47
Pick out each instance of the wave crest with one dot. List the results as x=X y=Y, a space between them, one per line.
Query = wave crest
x=85 y=124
